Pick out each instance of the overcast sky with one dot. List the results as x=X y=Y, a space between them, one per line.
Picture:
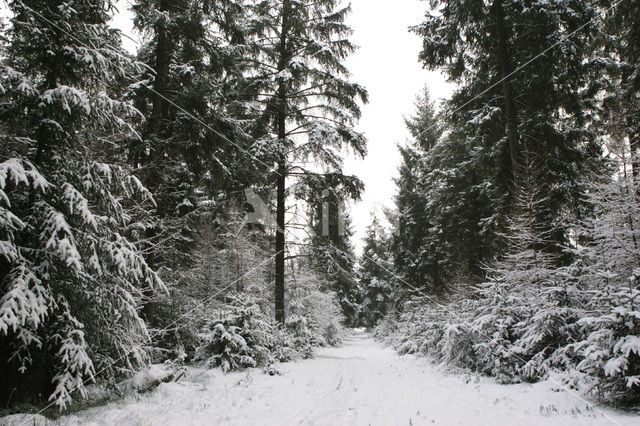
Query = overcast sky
x=387 y=65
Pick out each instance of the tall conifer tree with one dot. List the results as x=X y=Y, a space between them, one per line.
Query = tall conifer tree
x=417 y=248
x=192 y=144
x=308 y=104
x=376 y=278
x=331 y=250
x=70 y=281
x=499 y=115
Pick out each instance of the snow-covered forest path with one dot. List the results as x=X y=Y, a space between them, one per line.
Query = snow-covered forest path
x=360 y=383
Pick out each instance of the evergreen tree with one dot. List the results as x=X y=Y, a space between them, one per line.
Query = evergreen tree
x=228 y=257
x=606 y=348
x=620 y=45
x=308 y=104
x=193 y=152
x=495 y=113
x=314 y=314
x=330 y=249
x=522 y=305
x=417 y=250
x=70 y=281
x=193 y=146
x=376 y=279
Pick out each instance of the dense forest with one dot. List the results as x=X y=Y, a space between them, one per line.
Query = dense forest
x=187 y=203
x=515 y=252
x=134 y=188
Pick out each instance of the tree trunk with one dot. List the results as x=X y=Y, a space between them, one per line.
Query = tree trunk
x=159 y=112
x=161 y=69
x=434 y=271
x=280 y=242
x=634 y=145
x=45 y=138
x=509 y=106
x=281 y=122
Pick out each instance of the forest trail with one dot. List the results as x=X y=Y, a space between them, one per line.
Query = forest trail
x=360 y=383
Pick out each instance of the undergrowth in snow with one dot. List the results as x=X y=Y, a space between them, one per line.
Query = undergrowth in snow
x=360 y=383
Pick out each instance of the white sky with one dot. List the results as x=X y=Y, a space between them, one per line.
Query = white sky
x=387 y=65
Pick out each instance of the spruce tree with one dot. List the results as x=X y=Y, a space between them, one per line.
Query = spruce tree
x=496 y=112
x=376 y=279
x=308 y=105
x=417 y=249
x=606 y=273
x=331 y=251
x=193 y=154
x=620 y=45
x=70 y=281
x=191 y=148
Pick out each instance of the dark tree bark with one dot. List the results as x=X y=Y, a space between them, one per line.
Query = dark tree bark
x=634 y=145
x=280 y=243
x=161 y=68
x=282 y=171
x=45 y=137
x=509 y=106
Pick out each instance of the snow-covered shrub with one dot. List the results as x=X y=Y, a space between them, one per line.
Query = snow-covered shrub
x=423 y=336
x=285 y=347
x=532 y=317
x=607 y=348
x=497 y=310
x=456 y=346
x=325 y=317
x=243 y=336
x=610 y=350
x=241 y=331
x=418 y=329
x=227 y=257
x=500 y=329
x=544 y=334
x=386 y=328
x=227 y=348
x=303 y=338
x=314 y=316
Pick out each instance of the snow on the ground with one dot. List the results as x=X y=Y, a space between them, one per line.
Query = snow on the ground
x=360 y=383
